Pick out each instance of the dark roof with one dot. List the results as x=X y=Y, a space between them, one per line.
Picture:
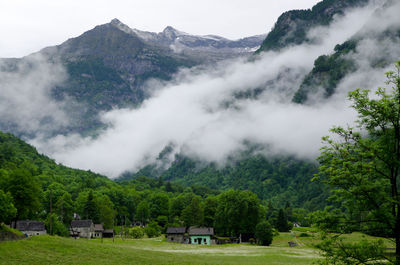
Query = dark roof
x=201 y=231
x=176 y=230
x=30 y=226
x=98 y=228
x=81 y=223
x=108 y=231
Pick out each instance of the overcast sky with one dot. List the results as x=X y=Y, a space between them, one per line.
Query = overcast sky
x=27 y=26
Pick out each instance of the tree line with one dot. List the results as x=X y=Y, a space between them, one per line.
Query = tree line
x=33 y=186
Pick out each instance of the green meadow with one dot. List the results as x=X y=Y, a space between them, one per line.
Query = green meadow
x=59 y=250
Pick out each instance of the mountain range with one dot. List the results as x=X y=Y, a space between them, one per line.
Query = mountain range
x=108 y=66
x=124 y=59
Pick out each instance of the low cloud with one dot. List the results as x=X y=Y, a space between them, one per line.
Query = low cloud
x=25 y=99
x=200 y=113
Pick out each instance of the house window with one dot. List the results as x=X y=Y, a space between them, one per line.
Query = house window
x=172 y=239
x=37 y=233
x=205 y=241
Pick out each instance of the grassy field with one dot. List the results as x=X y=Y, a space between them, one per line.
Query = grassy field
x=57 y=250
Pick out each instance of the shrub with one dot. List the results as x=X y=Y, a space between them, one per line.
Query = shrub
x=264 y=233
x=136 y=232
x=153 y=230
x=162 y=221
x=304 y=235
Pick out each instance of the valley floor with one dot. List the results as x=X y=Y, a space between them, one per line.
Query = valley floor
x=57 y=250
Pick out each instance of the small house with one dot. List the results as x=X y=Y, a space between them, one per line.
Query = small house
x=109 y=233
x=31 y=228
x=98 y=230
x=82 y=228
x=201 y=235
x=177 y=235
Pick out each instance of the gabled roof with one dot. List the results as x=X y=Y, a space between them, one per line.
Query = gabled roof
x=201 y=231
x=98 y=228
x=30 y=226
x=81 y=223
x=176 y=230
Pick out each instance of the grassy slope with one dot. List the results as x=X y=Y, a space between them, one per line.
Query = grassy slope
x=9 y=233
x=56 y=250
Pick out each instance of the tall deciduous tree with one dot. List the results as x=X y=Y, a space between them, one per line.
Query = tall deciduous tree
x=210 y=207
x=65 y=208
x=143 y=212
x=106 y=212
x=53 y=192
x=363 y=166
x=90 y=209
x=193 y=214
x=26 y=191
x=7 y=209
x=237 y=212
x=179 y=203
x=54 y=225
x=159 y=205
x=131 y=202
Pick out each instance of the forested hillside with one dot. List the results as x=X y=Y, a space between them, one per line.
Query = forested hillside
x=328 y=71
x=351 y=56
x=279 y=180
x=34 y=187
x=292 y=26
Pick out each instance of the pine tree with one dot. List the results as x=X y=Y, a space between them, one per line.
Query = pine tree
x=282 y=222
x=90 y=208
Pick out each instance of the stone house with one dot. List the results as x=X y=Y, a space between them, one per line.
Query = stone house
x=98 y=230
x=31 y=228
x=177 y=235
x=201 y=235
x=82 y=228
x=108 y=233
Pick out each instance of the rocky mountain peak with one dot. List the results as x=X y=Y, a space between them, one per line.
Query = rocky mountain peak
x=171 y=33
x=121 y=26
x=115 y=21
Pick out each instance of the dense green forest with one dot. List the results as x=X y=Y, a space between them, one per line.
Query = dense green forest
x=35 y=187
x=327 y=72
x=279 y=180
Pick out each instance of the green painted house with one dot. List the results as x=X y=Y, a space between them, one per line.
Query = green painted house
x=201 y=235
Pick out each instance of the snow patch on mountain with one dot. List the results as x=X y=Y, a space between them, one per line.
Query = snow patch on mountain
x=179 y=41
